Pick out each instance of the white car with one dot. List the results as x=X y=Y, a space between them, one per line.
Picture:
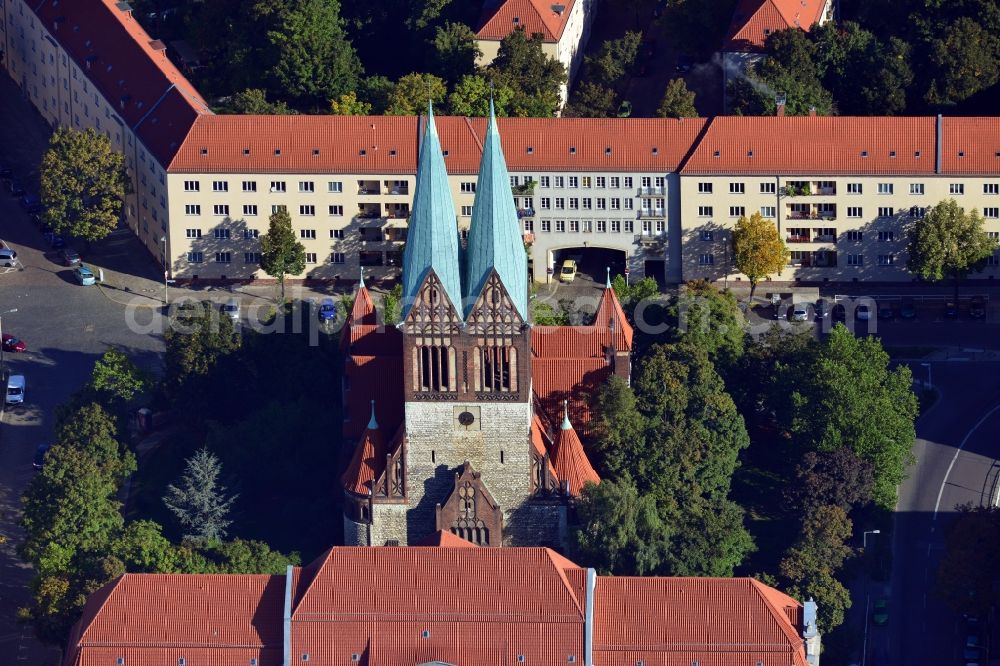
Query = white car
x=8 y=257
x=15 y=390
x=231 y=309
x=800 y=313
x=863 y=313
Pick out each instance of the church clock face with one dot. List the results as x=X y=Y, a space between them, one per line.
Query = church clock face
x=467 y=418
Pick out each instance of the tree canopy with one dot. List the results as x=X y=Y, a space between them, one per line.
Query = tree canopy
x=758 y=250
x=199 y=501
x=535 y=78
x=677 y=102
x=412 y=93
x=281 y=253
x=948 y=242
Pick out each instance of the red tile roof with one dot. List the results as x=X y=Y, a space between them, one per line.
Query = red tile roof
x=611 y=318
x=970 y=146
x=542 y=443
x=367 y=463
x=373 y=377
x=442 y=539
x=458 y=604
x=119 y=58
x=535 y=16
x=754 y=20
x=571 y=462
x=817 y=145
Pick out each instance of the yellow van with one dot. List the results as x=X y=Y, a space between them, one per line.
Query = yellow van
x=568 y=271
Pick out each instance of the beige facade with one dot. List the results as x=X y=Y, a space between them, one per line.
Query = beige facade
x=837 y=228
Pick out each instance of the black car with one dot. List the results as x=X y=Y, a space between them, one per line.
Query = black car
x=885 y=312
x=977 y=308
x=821 y=310
x=951 y=310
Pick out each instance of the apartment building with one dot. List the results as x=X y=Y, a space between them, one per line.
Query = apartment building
x=563 y=24
x=842 y=191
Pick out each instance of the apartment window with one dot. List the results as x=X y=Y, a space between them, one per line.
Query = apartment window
x=706 y=260
x=335 y=187
x=886 y=236
x=994 y=235
x=277 y=186
x=854 y=188
x=529 y=226
x=885 y=211
x=602 y=226
x=560 y=203
x=249 y=185
x=855 y=236
x=885 y=188
x=587 y=203
x=704 y=211
x=991 y=212
x=646 y=181
x=956 y=188
x=543 y=181
x=855 y=260
x=886 y=260
x=191 y=186
x=251 y=257
x=307 y=186
x=275 y=208
x=222 y=234
x=602 y=203
x=993 y=260
x=588 y=226
x=574 y=226
x=192 y=209
x=220 y=186
x=574 y=181
x=337 y=258
x=736 y=188
x=601 y=181
x=546 y=203
x=707 y=235
x=918 y=211
x=705 y=188
x=310 y=257
x=854 y=211
x=546 y=226
x=630 y=225
x=251 y=234
x=737 y=211
x=560 y=181
x=337 y=234
x=468 y=187
x=336 y=211
x=991 y=188
x=195 y=257
x=250 y=209
x=223 y=257
x=768 y=211
x=466 y=211
x=768 y=188
x=660 y=181
x=615 y=182
x=307 y=210
x=220 y=209
x=627 y=182
x=916 y=188
x=574 y=203
x=560 y=225
x=616 y=203
x=192 y=233
x=627 y=204
x=309 y=234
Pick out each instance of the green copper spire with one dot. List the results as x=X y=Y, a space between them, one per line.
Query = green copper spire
x=372 y=423
x=432 y=239
x=495 y=241
x=566 y=425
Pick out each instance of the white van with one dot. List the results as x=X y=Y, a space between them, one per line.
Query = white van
x=15 y=390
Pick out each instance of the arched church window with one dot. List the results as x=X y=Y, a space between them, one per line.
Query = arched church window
x=497 y=369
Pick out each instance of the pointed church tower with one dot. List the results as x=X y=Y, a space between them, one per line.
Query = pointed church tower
x=610 y=320
x=570 y=460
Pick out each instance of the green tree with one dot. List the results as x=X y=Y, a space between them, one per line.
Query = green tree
x=834 y=478
x=142 y=548
x=83 y=184
x=821 y=545
x=677 y=102
x=471 y=97
x=705 y=317
x=832 y=599
x=790 y=66
x=619 y=430
x=348 y=104
x=116 y=376
x=615 y=59
x=253 y=102
x=413 y=92
x=620 y=530
x=967 y=573
x=535 y=78
x=632 y=294
x=197 y=339
x=758 y=250
x=281 y=252
x=592 y=100
x=948 y=242
x=314 y=61
x=709 y=539
x=849 y=396
x=376 y=91
x=247 y=556
x=392 y=305
x=698 y=26
x=200 y=503
x=544 y=314
x=965 y=55
x=455 y=51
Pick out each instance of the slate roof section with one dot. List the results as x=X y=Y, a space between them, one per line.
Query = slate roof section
x=495 y=243
x=815 y=145
x=121 y=60
x=535 y=16
x=754 y=20
x=432 y=239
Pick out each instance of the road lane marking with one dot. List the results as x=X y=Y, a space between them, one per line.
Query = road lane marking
x=961 y=446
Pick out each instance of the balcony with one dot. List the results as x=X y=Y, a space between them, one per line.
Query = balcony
x=396 y=187
x=396 y=234
x=798 y=239
x=652 y=212
x=525 y=189
x=369 y=211
x=370 y=234
x=369 y=187
x=397 y=211
x=809 y=188
x=811 y=212
x=525 y=212
x=652 y=191
x=824 y=238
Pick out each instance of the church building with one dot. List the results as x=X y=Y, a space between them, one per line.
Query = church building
x=464 y=416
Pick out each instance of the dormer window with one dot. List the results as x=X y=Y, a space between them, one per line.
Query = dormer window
x=362 y=152
x=277 y=152
x=656 y=151
x=864 y=153
x=392 y=152
x=246 y=151
x=315 y=152
x=749 y=153
x=531 y=150
x=607 y=151
x=892 y=153
x=916 y=153
x=204 y=151
x=572 y=150
x=517 y=20
x=961 y=153
x=444 y=153
x=717 y=154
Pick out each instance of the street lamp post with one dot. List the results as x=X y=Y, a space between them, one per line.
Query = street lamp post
x=864 y=545
x=930 y=378
x=166 y=287
x=864 y=538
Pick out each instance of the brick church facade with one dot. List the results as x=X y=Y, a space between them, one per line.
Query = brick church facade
x=463 y=415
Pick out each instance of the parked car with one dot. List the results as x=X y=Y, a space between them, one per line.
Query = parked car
x=568 y=271
x=8 y=257
x=821 y=309
x=69 y=257
x=951 y=310
x=55 y=240
x=231 y=309
x=84 y=276
x=977 y=307
x=799 y=312
x=13 y=344
x=885 y=312
x=880 y=612
x=327 y=310
x=15 y=390
x=862 y=312
x=38 y=461
x=907 y=310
